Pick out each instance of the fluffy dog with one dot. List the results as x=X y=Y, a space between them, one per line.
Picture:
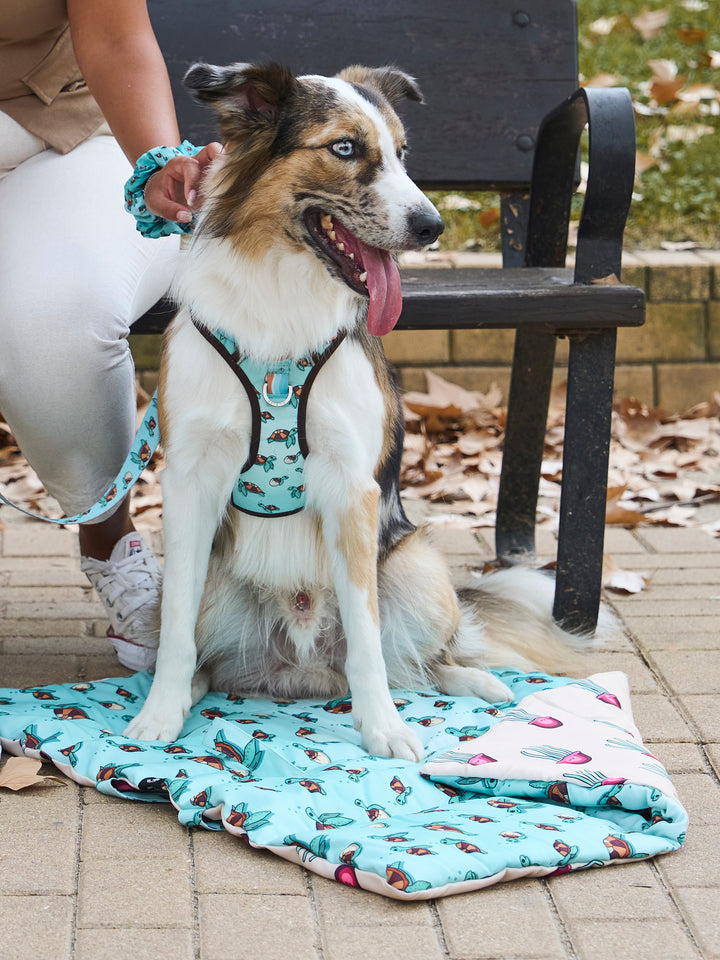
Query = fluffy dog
x=290 y=269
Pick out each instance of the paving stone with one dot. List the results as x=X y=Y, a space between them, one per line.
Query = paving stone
x=224 y=864
x=673 y=592
x=690 y=671
x=154 y=828
x=618 y=892
x=39 y=540
x=621 y=541
x=39 y=839
x=680 y=757
x=39 y=609
x=36 y=928
x=101 y=667
x=647 y=940
x=43 y=596
x=349 y=942
x=658 y=720
x=641 y=679
x=705 y=564
x=697 y=862
x=137 y=892
x=700 y=910
x=77 y=645
x=649 y=633
x=713 y=752
x=51 y=572
x=710 y=609
x=145 y=944
x=680 y=540
x=703 y=711
x=44 y=627
x=18 y=670
x=508 y=920
x=700 y=795
x=337 y=904
x=269 y=927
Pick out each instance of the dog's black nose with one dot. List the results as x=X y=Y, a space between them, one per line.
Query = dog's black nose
x=426 y=226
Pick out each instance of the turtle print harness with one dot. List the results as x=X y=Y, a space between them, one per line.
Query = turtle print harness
x=271 y=481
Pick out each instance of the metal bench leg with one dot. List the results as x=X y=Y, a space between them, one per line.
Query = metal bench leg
x=584 y=483
x=524 y=445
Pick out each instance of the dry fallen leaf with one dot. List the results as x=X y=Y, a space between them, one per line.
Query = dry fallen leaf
x=651 y=23
x=22 y=772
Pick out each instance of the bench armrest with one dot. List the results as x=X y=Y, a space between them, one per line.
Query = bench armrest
x=608 y=113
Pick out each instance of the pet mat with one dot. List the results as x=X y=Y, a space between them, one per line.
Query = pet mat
x=557 y=781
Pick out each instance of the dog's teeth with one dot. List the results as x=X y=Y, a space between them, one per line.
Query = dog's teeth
x=363 y=277
x=341 y=247
x=332 y=235
x=351 y=256
x=326 y=221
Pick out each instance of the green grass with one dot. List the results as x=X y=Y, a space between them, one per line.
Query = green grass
x=678 y=198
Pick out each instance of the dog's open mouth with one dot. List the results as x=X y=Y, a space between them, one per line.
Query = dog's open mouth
x=367 y=270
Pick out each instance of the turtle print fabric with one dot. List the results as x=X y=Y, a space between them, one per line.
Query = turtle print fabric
x=271 y=482
x=557 y=781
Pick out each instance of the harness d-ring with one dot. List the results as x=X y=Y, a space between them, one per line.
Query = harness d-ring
x=274 y=403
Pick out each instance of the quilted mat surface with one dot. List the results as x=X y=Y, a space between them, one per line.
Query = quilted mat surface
x=557 y=781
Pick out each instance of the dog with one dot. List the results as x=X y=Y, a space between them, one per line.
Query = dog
x=292 y=265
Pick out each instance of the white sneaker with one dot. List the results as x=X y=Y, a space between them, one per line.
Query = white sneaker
x=129 y=586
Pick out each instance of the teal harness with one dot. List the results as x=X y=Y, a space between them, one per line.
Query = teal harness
x=271 y=481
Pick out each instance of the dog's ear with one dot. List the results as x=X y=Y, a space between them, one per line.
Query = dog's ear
x=241 y=90
x=393 y=84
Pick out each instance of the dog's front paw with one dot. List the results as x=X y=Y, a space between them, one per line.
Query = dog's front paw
x=158 y=720
x=392 y=739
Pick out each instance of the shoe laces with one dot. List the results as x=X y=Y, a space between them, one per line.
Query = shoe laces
x=123 y=585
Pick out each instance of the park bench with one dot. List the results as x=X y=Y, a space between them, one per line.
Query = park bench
x=503 y=112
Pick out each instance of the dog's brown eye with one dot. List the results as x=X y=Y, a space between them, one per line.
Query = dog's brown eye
x=346 y=149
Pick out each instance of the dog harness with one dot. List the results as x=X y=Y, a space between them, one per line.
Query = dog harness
x=271 y=481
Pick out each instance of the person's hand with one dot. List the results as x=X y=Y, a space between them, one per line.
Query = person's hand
x=172 y=191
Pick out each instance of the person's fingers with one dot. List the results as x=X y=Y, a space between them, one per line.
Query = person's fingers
x=173 y=190
x=165 y=194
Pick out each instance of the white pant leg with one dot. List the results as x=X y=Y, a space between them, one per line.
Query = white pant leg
x=74 y=275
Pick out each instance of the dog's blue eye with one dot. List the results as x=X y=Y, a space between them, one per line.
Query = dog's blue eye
x=343 y=148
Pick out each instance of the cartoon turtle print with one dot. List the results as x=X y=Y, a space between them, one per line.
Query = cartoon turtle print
x=398 y=878
x=312 y=786
x=241 y=816
x=283 y=435
x=267 y=463
x=246 y=487
x=143 y=455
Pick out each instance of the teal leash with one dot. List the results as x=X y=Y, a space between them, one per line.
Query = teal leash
x=144 y=445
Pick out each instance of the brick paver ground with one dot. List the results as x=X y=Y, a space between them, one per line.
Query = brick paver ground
x=87 y=877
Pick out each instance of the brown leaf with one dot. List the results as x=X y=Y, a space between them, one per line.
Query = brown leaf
x=22 y=772
x=488 y=217
x=691 y=35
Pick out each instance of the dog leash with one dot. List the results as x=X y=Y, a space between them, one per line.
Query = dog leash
x=144 y=445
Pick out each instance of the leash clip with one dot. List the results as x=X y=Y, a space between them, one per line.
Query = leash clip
x=275 y=403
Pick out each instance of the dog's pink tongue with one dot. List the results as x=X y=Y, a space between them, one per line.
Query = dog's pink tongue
x=383 y=283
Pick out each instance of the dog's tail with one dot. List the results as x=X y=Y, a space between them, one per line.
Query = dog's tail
x=506 y=621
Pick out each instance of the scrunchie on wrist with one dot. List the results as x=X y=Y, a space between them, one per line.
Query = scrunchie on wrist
x=148 y=224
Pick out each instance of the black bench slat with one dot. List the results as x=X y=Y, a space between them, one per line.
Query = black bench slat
x=544 y=298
